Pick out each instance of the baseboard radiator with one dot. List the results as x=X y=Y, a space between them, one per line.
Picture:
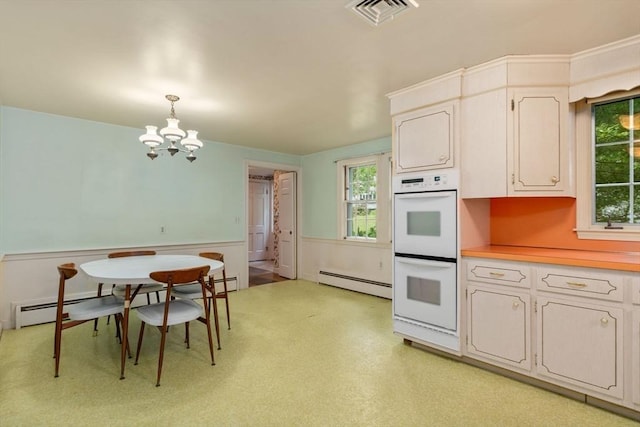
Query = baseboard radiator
x=353 y=283
x=35 y=312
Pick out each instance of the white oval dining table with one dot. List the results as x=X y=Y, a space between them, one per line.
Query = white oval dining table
x=135 y=270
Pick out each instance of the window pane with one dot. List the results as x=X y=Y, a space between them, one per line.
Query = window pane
x=608 y=125
x=612 y=203
x=615 y=162
x=612 y=164
x=362 y=183
x=361 y=201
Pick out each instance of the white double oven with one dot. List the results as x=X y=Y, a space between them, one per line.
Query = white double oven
x=425 y=244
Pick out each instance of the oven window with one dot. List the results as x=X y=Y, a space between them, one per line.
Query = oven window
x=423 y=223
x=423 y=290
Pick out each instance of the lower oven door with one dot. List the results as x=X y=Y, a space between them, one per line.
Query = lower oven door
x=425 y=291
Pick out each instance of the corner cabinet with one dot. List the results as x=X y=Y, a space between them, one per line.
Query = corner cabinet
x=540 y=158
x=423 y=139
x=515 y=129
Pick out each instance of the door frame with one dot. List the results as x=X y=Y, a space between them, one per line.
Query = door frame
x=275 y=166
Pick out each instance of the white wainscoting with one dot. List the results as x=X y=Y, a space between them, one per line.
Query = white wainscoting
x=33 y=279
x=355 y=259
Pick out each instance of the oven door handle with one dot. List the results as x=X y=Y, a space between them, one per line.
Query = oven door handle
x=424 y=262
x=424 y=195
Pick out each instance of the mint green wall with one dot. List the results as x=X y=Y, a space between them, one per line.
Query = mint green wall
x=319 y=177
x=69 y=184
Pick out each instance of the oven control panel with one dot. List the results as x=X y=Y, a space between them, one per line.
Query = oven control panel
x=424 y=183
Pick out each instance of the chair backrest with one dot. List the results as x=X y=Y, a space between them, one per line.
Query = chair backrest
x=130 y=253
x=177 y=277
x=213 y=255
x=67 y=271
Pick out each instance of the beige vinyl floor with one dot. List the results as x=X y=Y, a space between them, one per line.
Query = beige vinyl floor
x=297 y=354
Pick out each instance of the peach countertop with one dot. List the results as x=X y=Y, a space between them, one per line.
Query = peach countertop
x=624 y=261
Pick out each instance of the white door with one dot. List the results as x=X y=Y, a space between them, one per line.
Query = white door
x=259 y=215
x=287 y=222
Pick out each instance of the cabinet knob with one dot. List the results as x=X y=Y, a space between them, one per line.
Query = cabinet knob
x=555 y=179
x=604 y=321
x=516 y=304
x=443 y=158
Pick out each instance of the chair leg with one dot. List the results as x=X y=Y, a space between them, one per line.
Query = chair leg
x=226 y=297
x=95 y=322
x=214 y=303
x=161 y=357
x=157 y=296
x=139 y=342
x=56 y=345
x=186 y=334
x=208 y=324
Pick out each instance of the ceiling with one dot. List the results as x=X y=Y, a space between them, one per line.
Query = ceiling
x=289 y=76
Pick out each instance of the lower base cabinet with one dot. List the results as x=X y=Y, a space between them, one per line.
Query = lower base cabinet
x=581 y=344
x=498 y=326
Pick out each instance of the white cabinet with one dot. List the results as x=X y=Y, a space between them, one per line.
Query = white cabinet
x=581 y=344
x=575 y=327
x=498 y=326
x=515 y=121
x=425 y=124
x=540 y=161
x=635 y=343
x=424 y=139
x=498 y=312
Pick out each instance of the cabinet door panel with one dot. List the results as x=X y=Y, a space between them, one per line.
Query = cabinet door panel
x=498 y=326
x=540 y=140
x=581 y=344
x=424 y=139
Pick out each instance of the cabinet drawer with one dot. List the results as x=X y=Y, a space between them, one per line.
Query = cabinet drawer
x=499 y=273
x=600 y=284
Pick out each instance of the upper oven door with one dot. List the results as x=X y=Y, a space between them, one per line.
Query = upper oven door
x=425 y=224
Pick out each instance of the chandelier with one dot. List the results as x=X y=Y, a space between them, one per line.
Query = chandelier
x=173 y=134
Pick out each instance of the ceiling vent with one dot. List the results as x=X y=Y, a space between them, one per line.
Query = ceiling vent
x=378 y=11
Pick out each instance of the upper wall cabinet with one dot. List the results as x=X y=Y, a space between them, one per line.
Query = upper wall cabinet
x=515 y=125
x=424 y=139
x=425 y=124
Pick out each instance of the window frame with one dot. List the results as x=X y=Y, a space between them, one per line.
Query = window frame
x=585 y=174
x=383 y=197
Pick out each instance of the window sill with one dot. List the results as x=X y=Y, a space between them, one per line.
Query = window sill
x=629 y=234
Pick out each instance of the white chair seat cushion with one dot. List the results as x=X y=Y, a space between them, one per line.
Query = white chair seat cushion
x=180 y=311
x=94 y=308
x=191 y=291
x=119 y=290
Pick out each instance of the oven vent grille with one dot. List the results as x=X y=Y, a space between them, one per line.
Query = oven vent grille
x=378 y=11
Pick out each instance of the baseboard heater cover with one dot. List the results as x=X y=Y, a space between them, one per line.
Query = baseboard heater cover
x=35 y=312
x=353 y=283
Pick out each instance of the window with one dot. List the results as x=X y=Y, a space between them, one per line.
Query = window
x=365 y=202
x=608 y=139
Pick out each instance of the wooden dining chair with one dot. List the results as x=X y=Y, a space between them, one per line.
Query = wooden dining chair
x=119 y=290
x=145 y=288
x=175 y=311
x=78 y=313
x=218 y=256
x=192 y=292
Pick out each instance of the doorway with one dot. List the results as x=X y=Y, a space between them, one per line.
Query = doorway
x=271 y=211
